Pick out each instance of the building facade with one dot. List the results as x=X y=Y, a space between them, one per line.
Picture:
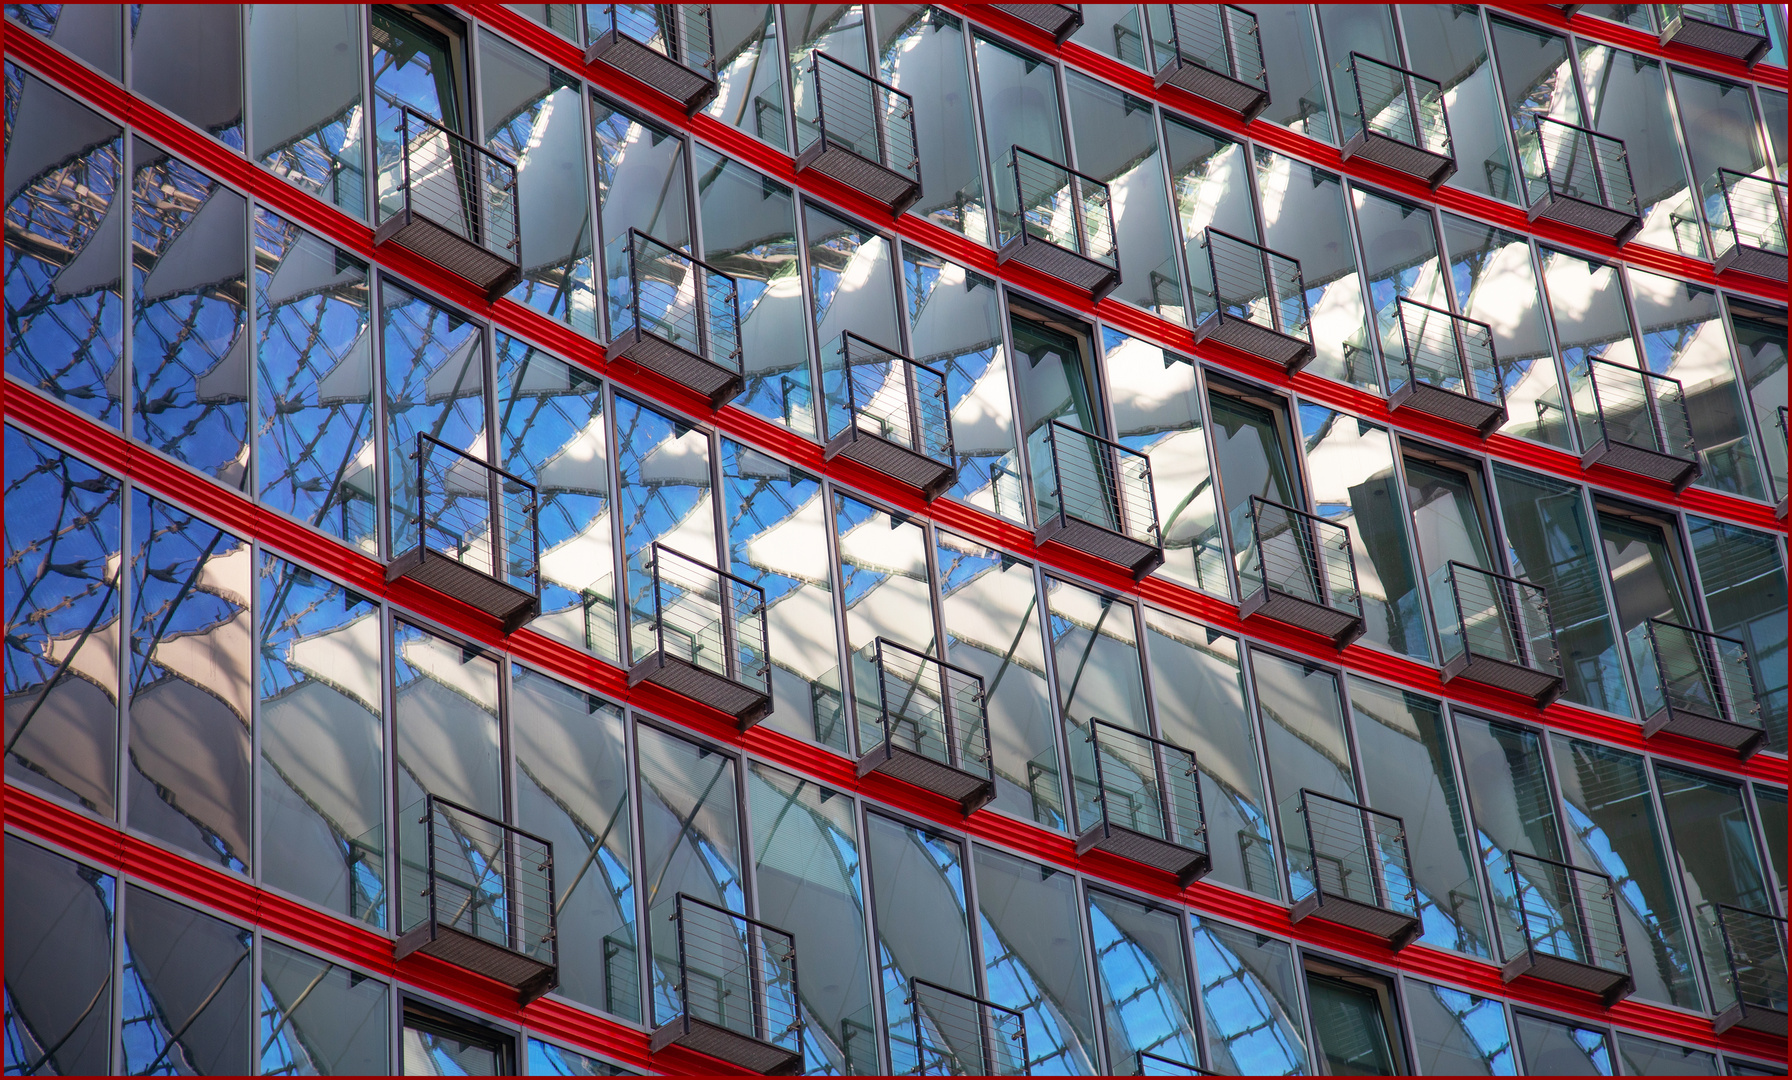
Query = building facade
x=896 y=539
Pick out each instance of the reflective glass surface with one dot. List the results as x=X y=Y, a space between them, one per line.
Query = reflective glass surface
x=1647 y=1057
x=1627 y=98
x=1305 y=742
x=640 y=185
x=1020 y=108
x=305 y=83
x=921 y=51
x=1719 y=864
x=1033 y=960
x=318 y=1019
x=1554 y=1048
x=1142 y=974
x=923 y=932
x=1445 y=43
x=187 y=990
x=1457 y=1033
x=1117 y=143
x=749 y=79
x=1514 y=810
x=546 y=1059
x=93 y=32
x=58 y=964
x=1095 y=648
x=188 y=58
x=435 y=385
x=666 y=497
x=1400 y=261
x=1250 y=1003
x=1744 y=578
x=1297 y=92
x=854 y=288
x=1304 y=218
x=1210 y=182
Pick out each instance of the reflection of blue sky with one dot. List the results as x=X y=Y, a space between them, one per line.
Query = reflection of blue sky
x=1144 y=1010
x=1482 y=1022
x=546 y=1059
x=1246 y=1021
x=1663 y=939
x=1052 y=1044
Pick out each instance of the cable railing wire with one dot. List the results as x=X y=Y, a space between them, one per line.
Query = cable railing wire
x=736 y=973
x=1497 y=616
x=1697 y=672
x=1097 y=481
x=1752 y=948
x=1064 y=207
x=1751 y=212
x=1219 y=37
x=684 y=33
x=957 y=1034
x=1625 y=404
x=1350 y=851
x=709 y=618
x=1449 y=352
x=1302 y=555
x=1149 y=1064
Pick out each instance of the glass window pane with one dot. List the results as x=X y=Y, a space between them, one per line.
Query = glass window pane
x=1457 y=1033
x=1117 y=144
x=532 y=120
x=1553 y=1048
x=1304 y=218
x=189 y=349
x=1645 y=576
x=1360 y=28
x=1448 y=508
x=562 y=19
x=835 y=29
x=1095 y=648
x=666 y=497
x=554 y=434
x=432 y=1049
x=1209 y=181
x=1646 y=1057
x=1771 y=804
x=854 y=287
x=1198 y=688
x=318 y=1019
x=1761 y=343
x=1514 y=810
x=417 y=64
x=1603 y=792
x=1536 y=79
x=1350 y=1028
x=1020 y=108
x=1249 y=1001
x=1251 y=446
x=1356 y=485
x=640 y=185
x=921 y=52
x=191 y=684
x=1400 y=257
x=572 y=787
x=188 y=58
x=690 y=839
x=1112 y=29
x=93 y=32
x=65 y=214
x=323 y=819
x=314 y=382
x=1627 y=97
x=1549 y=543
x=886 y=593
x=1722 y=132
x=64 y=554
x=1291 y=60
x=955 y=325
x=58 y=964
x=1143 y=976
x=992 y=625
x=1033 y=960
x=1715 y=848
x=1157 y=411
x=917 y=896
x=1406 y=772
x=1444 y=42
x=1745 y=594
x=305 y=81
x=749 y=231
x=1304 y=739
x=749 y=82
x=806 y=845
x=435 y=385
x=546 y=1059
x=187 y=990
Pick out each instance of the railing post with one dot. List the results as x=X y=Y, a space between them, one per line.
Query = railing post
x=1270 y=290
x=883 y=700
x=1101 y=787
x=429 y=859
x=1051 y=440
x=954 y=757
x=684 y=976
x=659 y=615
x=1523 y=919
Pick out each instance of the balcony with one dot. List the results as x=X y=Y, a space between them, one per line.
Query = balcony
x=1356 y=863
x=475 y=535
x=1300 y=570
x=1065 y=227
x=1697 y=685
x=1259 y=300
x=931 y=728
x=1585 y=181
x=1496 y=631
x=891 y=414
x=669 y=47
x=863 y=134
x=1148 y=798
x=1149 y=1064
x=1212 y=51
x=1561 y=926
x=1447 y=368
x=1738 y=31
x=707 y=637
x=1635 y=421
x=682 y=321
x=1095 y=496
x=1749 y=231
x=962 y=1035
x=1403 y=122
x=736 y=993
x=1750 y=982
x=456 y=206
x=1058 y=20
x=487 y=898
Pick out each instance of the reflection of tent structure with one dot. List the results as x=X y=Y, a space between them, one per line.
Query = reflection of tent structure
x=59 y=928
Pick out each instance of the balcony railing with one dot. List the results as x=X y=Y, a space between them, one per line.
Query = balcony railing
x=1738 y=31
x=1214 y=52
x=488 y=898
x=1259 y=301
x=1496 y=631
x=708 y=637
x=1698 y=685
x=670 y=47
x=736 y=991
x=457 y=206
x=1561 y=925
x=1749 y=982
x=1149 y=1064
x=1583 y=179
x=1096 y=496
x=682 y=320
x=929 y=726
x=1356 y=863
x=1749 y=229
x=892 y=414
x=1635 y=420
x=1148 y=801
x=963 y=1035
x=1300 y=569
x=1447 y=368
x=1781 y=421
x=863 y=134
x=475 y=536
x=1403 y=124
x=1065 y=226
x=1058 y=20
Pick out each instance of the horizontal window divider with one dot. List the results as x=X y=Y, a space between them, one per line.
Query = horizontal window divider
x=1630 y=39
x=356 y=236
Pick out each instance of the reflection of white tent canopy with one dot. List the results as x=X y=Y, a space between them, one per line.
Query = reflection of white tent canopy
x=920 y=912
x=307 y=71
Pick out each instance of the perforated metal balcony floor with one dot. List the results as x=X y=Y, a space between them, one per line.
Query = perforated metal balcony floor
x=614 y=49
x=508 y=604
x=969 y=790
x=485 y=270
x=1236 y=96
x=682 y=366
x=1485 y=417
x=1396 y=928
x=1341 y=626
x=529 y=977
x=1540 y=686
x=898 y=462
x=744 y=1051
x=1611 y=986
x=1751 y=1018
x=1137 y=557
x=1616 y=225
x=1748 y=259
x=1677 y=471
x=1432 y=168
x=871 y=179
x=1078 y=271
x=1261 y=341
x=1187 y=864
x=1723 y=40
x=747 y=704
x=1716 y=731
x=1058 y=20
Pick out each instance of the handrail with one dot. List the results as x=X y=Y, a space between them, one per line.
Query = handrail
x=1300 y=554
x=948 y=709
x=484 y=539
x=1569 y=922
x=985 y=1029
x=865 y=114
x=1348 y=843
x=1174 y=773
x=1505 y=618
x=696 y=306
x=1567 y=149
x=1257 y=284
x=1091 y=231
x=731 y=951
x=459 y=185
x=723 y=630
x=904 y=400
x=1449 y=352
x=1099 y=482
x=1408 y=107
x=1163 y=1062
x=1755 y=208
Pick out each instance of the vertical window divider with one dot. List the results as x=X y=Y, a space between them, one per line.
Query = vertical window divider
x=1676 y=876
x=643 y=932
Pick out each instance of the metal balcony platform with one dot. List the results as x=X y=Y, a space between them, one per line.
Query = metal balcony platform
x=529 y=977
x=1058 y=20
x=969 y=790
x=616 y=50
x=1078 y=271
x=1611 y=986
x=509 y=605
x=1542 y=687
x=747 y=704
x=894 y=460
x=715 y=382
x=1748 y=259
x=483 y=269
x=1485 y=417
x=1711 y=37
x=1136 y=557
x=737 y=1049
x=1187 y=864
x=1397 y=929
x=1236 y=96
x=1758 y=1018
x=1290 y=352
x=1653 y=464
x=1342 y=627
x=1742 y=738
x=888 y=187
x=1432 y=168
x=1616 y=225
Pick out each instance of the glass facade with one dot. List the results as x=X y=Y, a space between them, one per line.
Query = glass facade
x=472 y=518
